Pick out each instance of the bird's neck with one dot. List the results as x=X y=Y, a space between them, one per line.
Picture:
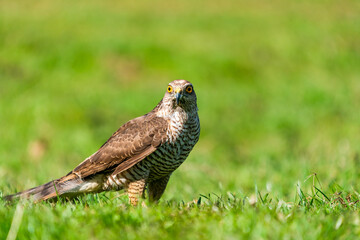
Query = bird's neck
x=169 y=112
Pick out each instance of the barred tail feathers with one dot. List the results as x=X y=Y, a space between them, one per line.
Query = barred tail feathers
x=65 y=186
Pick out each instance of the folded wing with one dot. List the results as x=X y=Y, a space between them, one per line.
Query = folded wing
x=130 y=144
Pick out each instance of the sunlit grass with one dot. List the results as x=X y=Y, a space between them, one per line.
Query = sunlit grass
x=232 y=214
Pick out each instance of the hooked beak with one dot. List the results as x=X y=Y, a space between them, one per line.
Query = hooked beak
x=178 y=95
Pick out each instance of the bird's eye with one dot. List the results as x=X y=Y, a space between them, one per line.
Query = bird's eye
x=189 y=89
x=169 y=89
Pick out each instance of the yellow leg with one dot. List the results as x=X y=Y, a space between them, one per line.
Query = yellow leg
x=136 y=190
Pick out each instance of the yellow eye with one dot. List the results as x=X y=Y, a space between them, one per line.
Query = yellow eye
x=169 y=89
x=189 y=89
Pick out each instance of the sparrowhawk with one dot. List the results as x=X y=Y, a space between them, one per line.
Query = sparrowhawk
x=141 y=154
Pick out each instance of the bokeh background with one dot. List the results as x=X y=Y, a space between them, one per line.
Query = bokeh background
x=278 y=85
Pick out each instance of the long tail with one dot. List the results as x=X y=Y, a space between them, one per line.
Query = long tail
x=69 y=185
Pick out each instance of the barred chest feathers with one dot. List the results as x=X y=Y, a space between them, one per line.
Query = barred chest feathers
x=183 y=132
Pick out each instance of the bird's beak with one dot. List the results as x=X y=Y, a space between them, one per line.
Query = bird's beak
x=178 y=95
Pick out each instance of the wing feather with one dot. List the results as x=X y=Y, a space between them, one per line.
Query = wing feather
x=130 y=144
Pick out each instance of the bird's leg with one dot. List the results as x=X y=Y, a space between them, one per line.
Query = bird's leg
x=157 y=187
x=136 y=190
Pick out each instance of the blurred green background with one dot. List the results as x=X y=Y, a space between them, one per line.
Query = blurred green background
x=278 y=85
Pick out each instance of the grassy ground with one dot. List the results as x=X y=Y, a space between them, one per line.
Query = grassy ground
x=278 y=92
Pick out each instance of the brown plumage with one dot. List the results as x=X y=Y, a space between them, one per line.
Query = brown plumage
x=140 y=154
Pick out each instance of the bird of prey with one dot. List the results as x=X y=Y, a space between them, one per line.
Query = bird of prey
x=142 y=154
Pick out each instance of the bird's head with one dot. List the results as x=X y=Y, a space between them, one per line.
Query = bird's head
x=180 y=93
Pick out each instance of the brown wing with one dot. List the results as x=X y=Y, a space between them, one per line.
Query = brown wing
x=127 y=146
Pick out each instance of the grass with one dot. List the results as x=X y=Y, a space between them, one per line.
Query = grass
x=278 y=93
x=313 y=216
